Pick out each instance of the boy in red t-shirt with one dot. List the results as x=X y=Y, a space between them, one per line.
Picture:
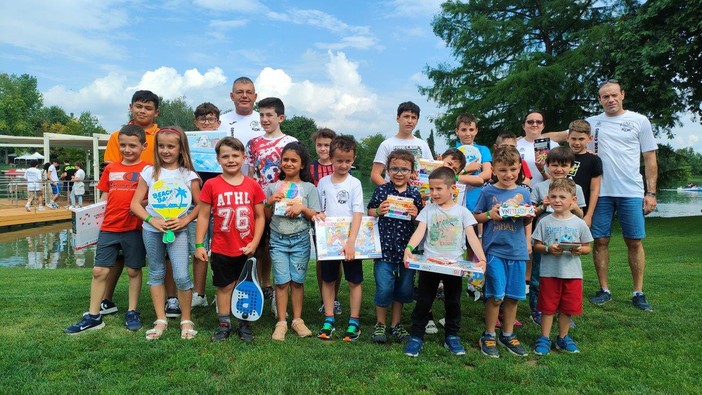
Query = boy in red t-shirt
x=120 y=230
x=236 y=202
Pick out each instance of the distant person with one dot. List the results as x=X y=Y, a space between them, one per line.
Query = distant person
x=587 y=168
x=533 y=125
x=120 y=231
x=53 y=178
x=244 y=123
x=621 y=138
x=67 y=173
x=561 y=269
x=78 y=188
x=34 y=185
x=407 y=118
x=234 y=238
x=449 y=226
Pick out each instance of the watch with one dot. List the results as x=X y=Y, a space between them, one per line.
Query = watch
x=650 y=194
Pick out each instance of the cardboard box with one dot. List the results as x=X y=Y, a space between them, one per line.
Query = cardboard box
x=86 y=223
x=460 y=268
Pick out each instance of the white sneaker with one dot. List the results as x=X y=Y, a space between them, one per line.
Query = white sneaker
x=41 y=208
x=431 y=328
x=442 y=322
x=199 y=301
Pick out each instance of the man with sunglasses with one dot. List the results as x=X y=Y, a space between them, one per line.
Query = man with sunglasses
x=533 y=125
x=620 y=138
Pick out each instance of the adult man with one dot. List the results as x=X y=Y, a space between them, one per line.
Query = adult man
x=243 y=123
x=619 y=138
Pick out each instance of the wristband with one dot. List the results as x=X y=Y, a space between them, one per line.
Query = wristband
x=198 y=245
x=409 y=247
x=456 y=177
x=377 y=213
x=650 y=194
x=547 y=247
x=148 y=218
x=488 y=214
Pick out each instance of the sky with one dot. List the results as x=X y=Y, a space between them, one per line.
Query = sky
x=345 y=64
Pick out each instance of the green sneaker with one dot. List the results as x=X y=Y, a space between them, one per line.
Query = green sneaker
x=399 y=333
x=326 y=332
x=379 y=335
x=353 y=332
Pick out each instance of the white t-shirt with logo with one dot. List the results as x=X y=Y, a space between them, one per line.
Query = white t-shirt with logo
x=243 y=127
x=342 y=199
x=619 y=142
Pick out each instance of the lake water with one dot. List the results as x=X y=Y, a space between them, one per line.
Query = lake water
x=49 y=247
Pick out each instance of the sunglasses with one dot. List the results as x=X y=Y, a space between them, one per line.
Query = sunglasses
x=534 y=121
x=610 y=81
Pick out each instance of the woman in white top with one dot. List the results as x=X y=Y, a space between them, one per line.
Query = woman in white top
x=78 y=186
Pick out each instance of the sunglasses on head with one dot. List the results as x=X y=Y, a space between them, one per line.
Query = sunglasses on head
x=609 y=81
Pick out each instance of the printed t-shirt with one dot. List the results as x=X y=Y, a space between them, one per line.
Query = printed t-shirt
x=506 y=238
x=585 y=168
x=418 y=147
x=120 y=182
x=319 y=170
x=186 y=176
x=445 y=236
x=551 y=230
x=263 y=155
x=233 y=211
x=242 y=127
x=342 y=199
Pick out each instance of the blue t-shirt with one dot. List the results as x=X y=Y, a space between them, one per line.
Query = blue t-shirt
x=505 y=239
x=472 y=193
x=394 y=233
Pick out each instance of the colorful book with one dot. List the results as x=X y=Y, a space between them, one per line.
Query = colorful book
x=202 y=150
x=452 y=267
x=333 y=232
x=86 y=223
x=291 y=194
x=399 y=206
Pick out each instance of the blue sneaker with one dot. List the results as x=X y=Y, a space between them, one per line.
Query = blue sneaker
x=413 y=346
x=132 y=320
x=512 y=344
x=640 y=302
x=542 y=346
x=601 y=297
x=86 y=323
x=488 y=346
x=453 y=344
x=536 y=317
x=566 y=344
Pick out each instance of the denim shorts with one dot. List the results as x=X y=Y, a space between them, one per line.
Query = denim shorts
x=109 y=245
x=393 y=283
x=505 y=278
x=629 y=211
x=191 y=235
x=55 y=189
x=290 y=255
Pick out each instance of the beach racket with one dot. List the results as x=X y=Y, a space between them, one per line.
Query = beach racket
x=247 y=298
x=170 y=198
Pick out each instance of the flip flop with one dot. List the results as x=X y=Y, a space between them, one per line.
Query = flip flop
x=155 y=333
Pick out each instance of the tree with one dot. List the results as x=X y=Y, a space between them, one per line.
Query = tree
x=302 y=129
x=176 y=112
x=417 y=133
x=430 y=143
x=693 y=159
x=20 y=102
x=367 y=148
x=90 y=124
x=673 y=168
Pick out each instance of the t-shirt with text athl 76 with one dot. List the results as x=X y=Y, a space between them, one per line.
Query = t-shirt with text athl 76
x=233 y=211
x=445 y=236
x=120 y=182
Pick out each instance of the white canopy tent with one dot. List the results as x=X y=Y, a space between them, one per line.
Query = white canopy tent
x=34 y=156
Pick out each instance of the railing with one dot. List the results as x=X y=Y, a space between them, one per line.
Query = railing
x=13 y=192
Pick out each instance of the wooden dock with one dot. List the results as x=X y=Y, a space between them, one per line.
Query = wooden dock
x=17 y=217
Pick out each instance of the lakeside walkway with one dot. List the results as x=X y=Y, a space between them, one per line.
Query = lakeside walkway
x=11 y=216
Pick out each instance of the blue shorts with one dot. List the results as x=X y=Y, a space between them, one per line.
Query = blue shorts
x=55 y=189
x=629 y=211
x=393 y=283
x=109 y=244
x=505 y=278
x=191 y=235
x=290 y=255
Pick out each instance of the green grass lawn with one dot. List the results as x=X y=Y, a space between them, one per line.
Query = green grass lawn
x=624 y=350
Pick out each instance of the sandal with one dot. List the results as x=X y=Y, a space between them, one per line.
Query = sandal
x=187 y=334
x=155 y=333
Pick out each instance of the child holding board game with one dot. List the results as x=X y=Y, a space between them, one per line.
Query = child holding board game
x=446 y=225
x=396 y=204
x=170 y=185
x=291 y=204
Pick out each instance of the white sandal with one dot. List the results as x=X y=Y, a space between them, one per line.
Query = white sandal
x=187 y=334
x=155 y=333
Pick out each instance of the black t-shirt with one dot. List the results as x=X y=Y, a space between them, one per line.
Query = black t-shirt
x=585 y=167
x=70 y=171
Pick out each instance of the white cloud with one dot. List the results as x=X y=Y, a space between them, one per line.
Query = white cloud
x=242 y=6
x=412 y=8
x=166 y=82
x=357 y=42
x=79 y=29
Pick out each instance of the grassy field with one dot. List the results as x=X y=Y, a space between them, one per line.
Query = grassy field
x=624 y=350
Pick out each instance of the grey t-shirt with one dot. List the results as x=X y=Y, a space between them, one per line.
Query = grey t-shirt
x=551 y=230
x=445 y=236
x=308 y=193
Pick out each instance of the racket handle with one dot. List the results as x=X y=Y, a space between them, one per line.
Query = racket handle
x=168 y=237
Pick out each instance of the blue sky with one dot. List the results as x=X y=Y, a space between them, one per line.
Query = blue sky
x=345 y=64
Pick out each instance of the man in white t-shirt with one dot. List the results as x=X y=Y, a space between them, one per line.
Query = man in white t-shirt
x=243 y=123
x=407 y=118
x=620 y=138
x=52 y=176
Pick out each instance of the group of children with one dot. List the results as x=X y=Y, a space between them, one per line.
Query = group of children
x=241 y=215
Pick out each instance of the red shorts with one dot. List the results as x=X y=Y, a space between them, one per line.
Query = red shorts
x=560 y=294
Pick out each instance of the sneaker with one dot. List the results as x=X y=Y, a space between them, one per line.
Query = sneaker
x=640 y=302
x=172 y=308
x=566 y=344
x=399 y=333
x=337 y=308
x=379 y=335
x=268 y=293
x=353 y=332
x=245 y=332
x=326 y=332
x=512 y=344
x=431 y=328
x=442 y=322
x=536 y=317
x=453 y=344
x=413 y=346
x=488 y=346
x=41 y=208
x=542 y=346
x=498 y=323
x=222 y=332
x=199 y=301
x=132 y=320
x=301 y=329
x=601 y=297
x=281 y=328
x=26 y=207
x=107 y=307
x=440 y=294
x=85 y=324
